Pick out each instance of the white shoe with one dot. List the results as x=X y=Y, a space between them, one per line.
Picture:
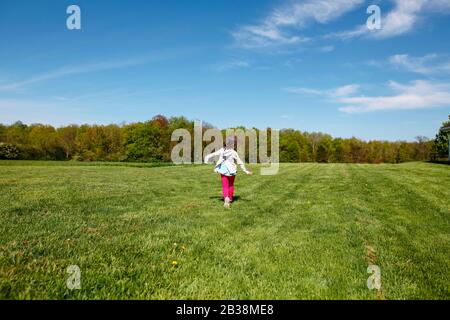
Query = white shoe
x=227 y=203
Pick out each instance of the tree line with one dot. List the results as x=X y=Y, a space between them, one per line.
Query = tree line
x=150 y=141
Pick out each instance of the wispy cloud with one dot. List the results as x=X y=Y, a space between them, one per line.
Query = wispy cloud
x=326 y=49
x=73 y=70
x=427 y=65
x=233 y=64
x=402 y=19
x=262 y=36
x=418 y=94
x=345 y=90
x=348 y=34
x=281 y=26
x=332 y=93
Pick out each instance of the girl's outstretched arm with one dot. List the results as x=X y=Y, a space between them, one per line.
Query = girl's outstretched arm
x=214 y=154
x=242 y=165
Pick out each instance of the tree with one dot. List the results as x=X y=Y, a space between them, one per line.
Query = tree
x=290 y=152
x=313 y=142
x=422 y=148
x=8 y=151
x=44 y=139
x=324 y=149
x=83 y=144
x=404 y=152
x=389 y=151
x=151 y=141
x=142 y=142
x=92 y=143
x=163 y=124
x=3 y=129
x=289 y=147
x=440 y=145
x=339 y=152
x=358 y=152
x=161 y=121
x=17 y=133
x=113 y=147
x=67 y=136
x=375 y=152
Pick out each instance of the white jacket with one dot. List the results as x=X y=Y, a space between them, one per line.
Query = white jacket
x=229 y=157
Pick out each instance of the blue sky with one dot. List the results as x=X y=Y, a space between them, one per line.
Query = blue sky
x=303 y=64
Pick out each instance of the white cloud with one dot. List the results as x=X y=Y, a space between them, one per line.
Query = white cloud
x=427 y=65
x=72 y=70
x=326 y=49
x=277 y=28
x=337 y=92
x=305 y=91
x=348 y=34
x=405 y=16
x=345 y=90
x=418 y=94
x=250 y=37
x=400 y=20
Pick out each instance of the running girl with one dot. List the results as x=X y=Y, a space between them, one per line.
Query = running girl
x=226 y=167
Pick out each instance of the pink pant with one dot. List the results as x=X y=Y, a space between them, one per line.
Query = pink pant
x=228 y=186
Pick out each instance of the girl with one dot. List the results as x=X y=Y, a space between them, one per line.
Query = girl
x=226 y=167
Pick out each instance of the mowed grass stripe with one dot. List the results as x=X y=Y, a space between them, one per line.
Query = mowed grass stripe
x=405 y=236
x=425 y=185
x=239 y=246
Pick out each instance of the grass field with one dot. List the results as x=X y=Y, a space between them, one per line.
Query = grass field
x=309 y=232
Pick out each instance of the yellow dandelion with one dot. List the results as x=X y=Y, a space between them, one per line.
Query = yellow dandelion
x=174 y=264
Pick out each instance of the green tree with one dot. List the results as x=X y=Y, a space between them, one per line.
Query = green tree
x=142 y=142
x=163 y=124
x=357 y=151
x=113 y=145
x=422 y=148
x=375 y=152
x=17 y=133
x=325 y=149
x=403 y=152
x=3 y=129
x=440 y=145
x=289 y=147
x=313 y=140
x=339 y=152
x=151 y=141
x=44 y=139
x=8 y=151
x=67 y=137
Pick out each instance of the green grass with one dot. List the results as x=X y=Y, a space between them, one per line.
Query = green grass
x=309 y=232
